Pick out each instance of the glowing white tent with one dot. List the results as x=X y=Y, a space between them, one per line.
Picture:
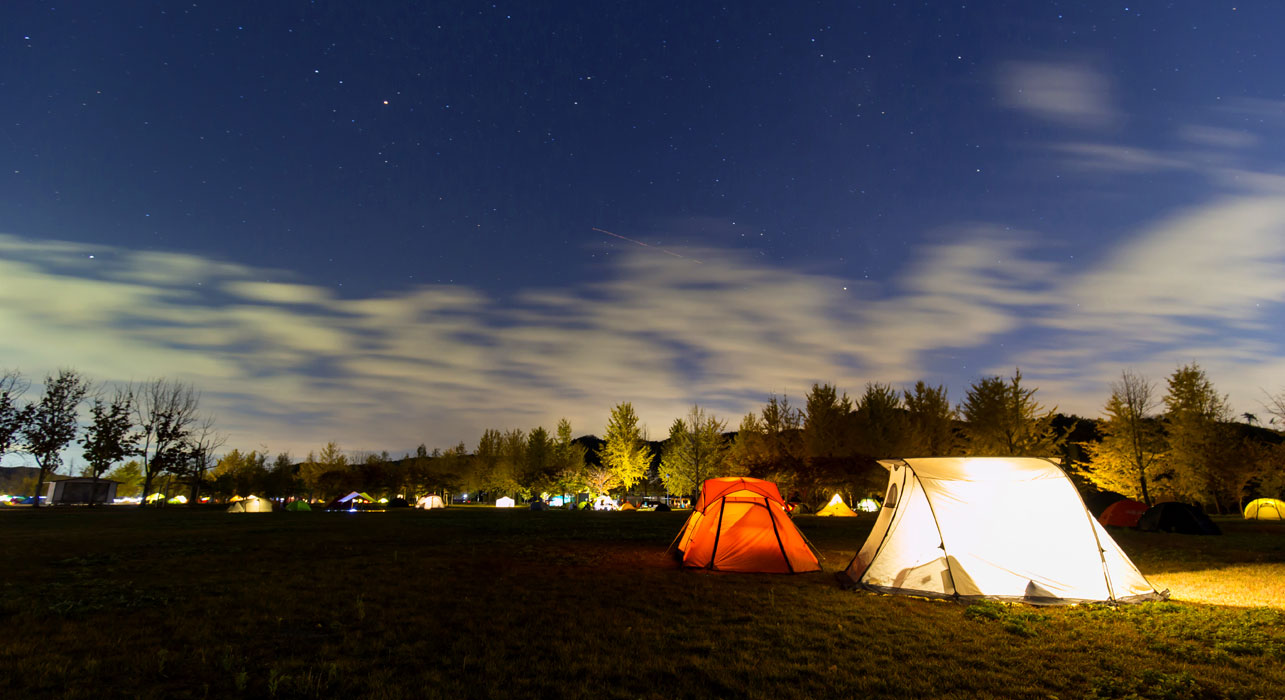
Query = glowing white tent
x=430 y=502
x=1008 y=528
x=504 y=502
x=251 y=504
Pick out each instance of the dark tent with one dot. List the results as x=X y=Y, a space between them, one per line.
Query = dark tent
x=399 y=502
x=663 y=508
x=1181 y=518
x=539 y=505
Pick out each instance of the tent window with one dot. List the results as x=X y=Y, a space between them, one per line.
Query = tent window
x=890 y=501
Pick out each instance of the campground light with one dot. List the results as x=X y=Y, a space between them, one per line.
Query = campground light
x=383 y=500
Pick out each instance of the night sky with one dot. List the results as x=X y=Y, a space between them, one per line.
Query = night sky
x=384 y=224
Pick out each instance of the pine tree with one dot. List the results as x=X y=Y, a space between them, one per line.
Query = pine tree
x=695 y=451
x=1195 y=415
x=1002 y=418
x=931 y=421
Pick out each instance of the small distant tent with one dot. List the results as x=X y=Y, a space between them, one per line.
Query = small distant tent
x=1265 y=509
x=1006 y=528
x=350 y=502
x=251 y=504
x=1182 y=518
x=604 y=503
x=740 y=524
x=1125 y=513
x=868 y=505
x=662 y=508
x=504 y=502
x=298 y=506
x=155 y=497
x=837 y=508
x=430 y=502
x=177 y=500
x=627 y=505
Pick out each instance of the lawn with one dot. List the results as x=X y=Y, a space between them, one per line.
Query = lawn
x=480 y=602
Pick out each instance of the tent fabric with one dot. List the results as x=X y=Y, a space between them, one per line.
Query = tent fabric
x=1125 y=513
x=868 y=505
x=628 y=506
x=430 y=502
x=1005 y=528
x=298 y=506
x=504 y=502
x=740 y=524
x=1265 y=509
x=251 y=504
x=1181 y=518
x=837 y=508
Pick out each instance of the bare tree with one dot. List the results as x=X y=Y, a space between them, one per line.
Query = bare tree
x=1276 y=406
x=51 y=423
x=165 y=411
x=12 y=416
x=203 y=442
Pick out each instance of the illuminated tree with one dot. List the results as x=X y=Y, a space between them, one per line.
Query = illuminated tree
x=1002 y=418
x=1195 y=418
x=696 y=451
x=931 y=421
x=568 y=461
x=130 y=476
x=51 y=423
x=1131 y=453
x=108 y=437
x=539 y=472
x=625 y=453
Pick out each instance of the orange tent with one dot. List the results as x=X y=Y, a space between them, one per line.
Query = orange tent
x=1123 y=513
x=739 y=524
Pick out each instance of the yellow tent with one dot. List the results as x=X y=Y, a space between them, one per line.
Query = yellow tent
x=837 y=508
x=1265 y=509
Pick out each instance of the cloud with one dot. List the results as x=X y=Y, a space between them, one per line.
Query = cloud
x=1121 y=159
x=292 y=365
x=1070 y=94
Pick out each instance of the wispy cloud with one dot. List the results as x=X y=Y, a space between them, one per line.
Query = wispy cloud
x=292 y=365
x=1067 y=93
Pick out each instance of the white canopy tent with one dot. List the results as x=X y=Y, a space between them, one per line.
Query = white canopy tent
x=1008 y=528
x=504 y=502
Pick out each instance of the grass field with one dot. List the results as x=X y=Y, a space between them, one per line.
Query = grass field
x=480 y=602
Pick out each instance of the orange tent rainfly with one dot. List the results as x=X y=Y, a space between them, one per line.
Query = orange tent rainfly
x=739 y=524
x=1124 y=513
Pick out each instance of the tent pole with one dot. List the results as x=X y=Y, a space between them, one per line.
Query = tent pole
x=713 y=554
x=777 y=534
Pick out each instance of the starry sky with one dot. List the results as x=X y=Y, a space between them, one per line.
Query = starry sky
x=387 y=223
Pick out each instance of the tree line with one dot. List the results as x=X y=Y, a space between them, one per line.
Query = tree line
x=156 y=421
x=1185 y=445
